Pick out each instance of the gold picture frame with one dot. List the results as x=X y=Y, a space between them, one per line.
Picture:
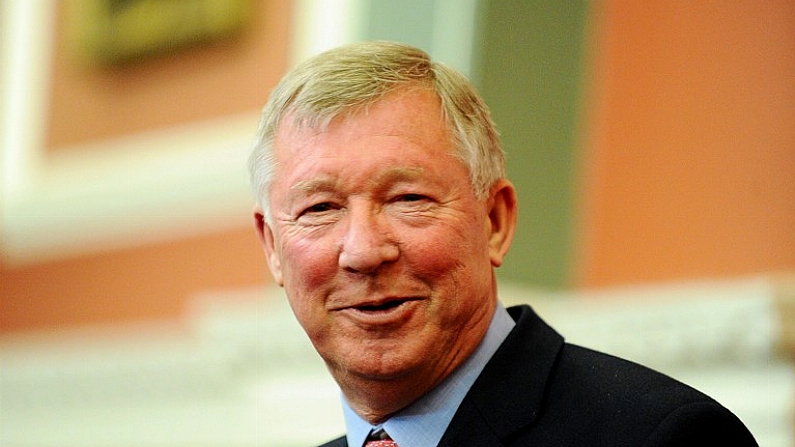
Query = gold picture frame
x=117 y=32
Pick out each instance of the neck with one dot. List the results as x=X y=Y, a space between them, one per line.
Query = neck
x=377 y=400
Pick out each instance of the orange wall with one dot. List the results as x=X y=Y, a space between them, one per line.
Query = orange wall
x=689 y=164
x=139 y=283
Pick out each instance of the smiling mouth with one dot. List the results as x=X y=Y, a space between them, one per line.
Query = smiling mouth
x=382 y=306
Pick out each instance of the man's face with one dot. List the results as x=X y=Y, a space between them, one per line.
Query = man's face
x=385 y=253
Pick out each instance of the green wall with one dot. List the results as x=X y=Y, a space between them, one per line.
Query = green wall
x=528 y=65
x=408 y=21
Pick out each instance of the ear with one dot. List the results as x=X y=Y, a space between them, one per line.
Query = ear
x=269 y=246
x=502 y=220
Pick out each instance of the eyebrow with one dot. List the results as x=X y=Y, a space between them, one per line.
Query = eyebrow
x=401 y=174
x=310 y=186
x=394 y=175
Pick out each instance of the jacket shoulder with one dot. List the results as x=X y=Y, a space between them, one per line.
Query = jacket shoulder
x=611 y=400
x=538 y=390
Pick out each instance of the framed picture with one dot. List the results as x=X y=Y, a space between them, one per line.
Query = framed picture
x=113 y=32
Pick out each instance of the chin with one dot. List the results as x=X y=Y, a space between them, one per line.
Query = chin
x=381 y=369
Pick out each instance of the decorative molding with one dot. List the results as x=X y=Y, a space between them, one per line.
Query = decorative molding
x=146 y=187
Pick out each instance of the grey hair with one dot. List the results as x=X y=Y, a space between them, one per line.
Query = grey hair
x=341 y=81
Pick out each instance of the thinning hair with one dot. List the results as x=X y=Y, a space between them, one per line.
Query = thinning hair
x=342 y=81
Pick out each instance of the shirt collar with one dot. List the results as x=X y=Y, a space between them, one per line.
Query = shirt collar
x=424 y=422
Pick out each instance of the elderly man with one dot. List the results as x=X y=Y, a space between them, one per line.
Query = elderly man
x=383 y=209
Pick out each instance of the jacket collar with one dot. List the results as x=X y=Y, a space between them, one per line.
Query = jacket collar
x=508 y=394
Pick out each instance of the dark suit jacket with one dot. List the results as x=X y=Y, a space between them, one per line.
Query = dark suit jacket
x=539 y=391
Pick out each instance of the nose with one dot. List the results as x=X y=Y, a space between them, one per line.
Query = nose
x=368 y=242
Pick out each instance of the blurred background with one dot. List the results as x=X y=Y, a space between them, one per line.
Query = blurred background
x=652 y=144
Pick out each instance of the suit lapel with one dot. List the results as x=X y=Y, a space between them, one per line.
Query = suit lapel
x=507 y=396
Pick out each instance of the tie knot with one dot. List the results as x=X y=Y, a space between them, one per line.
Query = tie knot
x=379 y=438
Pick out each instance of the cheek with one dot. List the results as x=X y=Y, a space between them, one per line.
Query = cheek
x=308 y=271
x=446 y=249
x=307 y=265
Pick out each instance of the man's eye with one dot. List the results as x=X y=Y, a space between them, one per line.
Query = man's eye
x=318 y=208
x=410 y=197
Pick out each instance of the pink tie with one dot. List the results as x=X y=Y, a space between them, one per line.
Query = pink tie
x=380 y=439
x=381 y=443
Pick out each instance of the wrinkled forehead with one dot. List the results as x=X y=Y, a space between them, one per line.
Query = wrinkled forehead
x=316 y=111
x=414 y=108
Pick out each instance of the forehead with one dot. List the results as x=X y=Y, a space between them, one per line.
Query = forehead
x=404 y=122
